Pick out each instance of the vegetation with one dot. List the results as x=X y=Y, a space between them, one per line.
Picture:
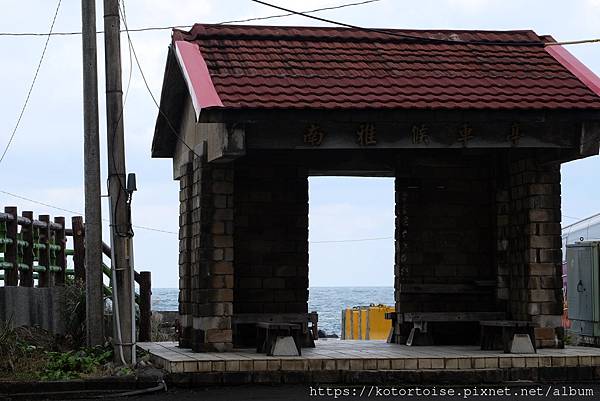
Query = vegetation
x=32 y=353
x=74 y=312
x=75 y=364
x=161 y=330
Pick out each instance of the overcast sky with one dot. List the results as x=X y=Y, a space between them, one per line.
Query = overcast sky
x=45 y=161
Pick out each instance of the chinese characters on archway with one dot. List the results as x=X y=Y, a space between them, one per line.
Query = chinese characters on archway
x=419 y=134
x=366 y=135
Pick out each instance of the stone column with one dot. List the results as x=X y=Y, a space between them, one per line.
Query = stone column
x=534 y=242
x=212 y=256
x=271 y=240
x=185 y=237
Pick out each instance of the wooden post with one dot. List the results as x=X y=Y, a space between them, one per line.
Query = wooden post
x=119 y=209
x=145 y=283
x=45 y=278
x=61 y=256
x=93 y=212
x=11 y=276
x=26 y=276
x=78 y=247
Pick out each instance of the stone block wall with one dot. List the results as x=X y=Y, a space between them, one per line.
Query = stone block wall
x=206 y=256
x=443 y=240
x=473 y=233
x=271 y=237
x=529 y=255
x=185 y=249
x=492 y=220
x=444 y=256
x=270 y=214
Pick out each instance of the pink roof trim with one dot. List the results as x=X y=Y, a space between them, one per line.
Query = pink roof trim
x=576 y=67
x=197 y=77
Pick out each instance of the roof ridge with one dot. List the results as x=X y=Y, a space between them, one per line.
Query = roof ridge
x=354 y=34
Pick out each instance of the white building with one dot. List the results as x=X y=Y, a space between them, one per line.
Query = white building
x=587 y=229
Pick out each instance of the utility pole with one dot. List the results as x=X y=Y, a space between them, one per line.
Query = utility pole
x=121 y=263
x=94 y=302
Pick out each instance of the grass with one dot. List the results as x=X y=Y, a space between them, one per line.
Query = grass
x=30 y=353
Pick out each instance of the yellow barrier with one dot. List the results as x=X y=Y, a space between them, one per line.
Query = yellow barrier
x=366 y=322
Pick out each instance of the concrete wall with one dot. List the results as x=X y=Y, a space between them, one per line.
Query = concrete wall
x=29 y=306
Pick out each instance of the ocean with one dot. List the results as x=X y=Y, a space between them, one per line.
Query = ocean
x=327 y=301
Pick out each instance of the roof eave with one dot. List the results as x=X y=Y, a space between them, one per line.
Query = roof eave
x=172 y=99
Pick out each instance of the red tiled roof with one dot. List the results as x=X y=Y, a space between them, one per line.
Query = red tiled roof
x=257 y=67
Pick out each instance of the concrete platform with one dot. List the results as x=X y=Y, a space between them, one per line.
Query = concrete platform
x=360 y=356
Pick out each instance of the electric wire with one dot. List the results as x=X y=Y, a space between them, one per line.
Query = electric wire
x=175 y=233
x=37 y=70
x=79 y=213
x=178 y=136
x=351 y=240
x=426 y=39
x=130 y=233
x=573 y=42
x=162 y=28
x=127 y=31
x=161 y=112
x=415 y=38
x=289 y=14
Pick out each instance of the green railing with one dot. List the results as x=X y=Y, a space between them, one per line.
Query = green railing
x=35 y=254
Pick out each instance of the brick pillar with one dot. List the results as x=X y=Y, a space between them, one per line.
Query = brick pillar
x=185 y=242
x=271 y=240
x=212 y=256
x=533 y=243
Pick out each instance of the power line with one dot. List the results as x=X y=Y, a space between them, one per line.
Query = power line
x=40 y=203
x=78 y=213
x=572 y=42
x=289 y=14
x=137 y=61
x=162 y=28
x=173 y=232
x=37 y=70
x=190 y=148
x=172 y=128
x=351 y=240
x=581 y=220
x=405 y=36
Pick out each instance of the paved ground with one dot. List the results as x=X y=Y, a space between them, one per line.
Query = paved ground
x=521 y=391
x=358 y=355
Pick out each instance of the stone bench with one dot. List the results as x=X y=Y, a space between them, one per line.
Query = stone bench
x=500 y=334
x=420 y=335
x=250 y=320
x=278 y=339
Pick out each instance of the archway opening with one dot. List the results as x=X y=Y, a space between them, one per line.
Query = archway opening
x=351 y=245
